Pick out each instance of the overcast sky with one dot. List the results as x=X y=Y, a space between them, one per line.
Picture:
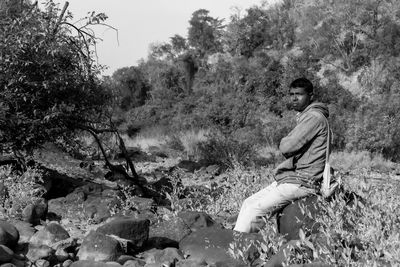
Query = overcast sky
x=142 y=22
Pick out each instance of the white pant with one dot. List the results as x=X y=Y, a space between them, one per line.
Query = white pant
x=268 y=200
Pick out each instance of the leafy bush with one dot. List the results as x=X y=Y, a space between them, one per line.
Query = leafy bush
x=21 y=190
x=224 y=150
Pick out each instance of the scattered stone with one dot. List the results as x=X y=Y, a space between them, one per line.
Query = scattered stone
x=92 y=263
x=191 y=263
x=98 y=247
x=127 y=228
x=9 y=234
x=6 y=254
x=98 y=208
x=42 y=263
x=213 y=245
x=37 y=252
x=134 y=263
x=25 y=230
x=67 y=263
x=35 y=212
x=168 y=233
x=49 y=235
x=167 y=256
x=61 y=255
x=196 y=220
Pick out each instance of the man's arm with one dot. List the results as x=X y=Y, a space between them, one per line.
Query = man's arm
x=301 y=135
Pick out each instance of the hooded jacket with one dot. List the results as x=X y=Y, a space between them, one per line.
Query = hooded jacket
x=305 y=148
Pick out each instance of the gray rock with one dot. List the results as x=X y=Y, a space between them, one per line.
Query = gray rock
x=25 y=229
x=168 y=233
x=213 y=244
x=37 y=252
x=168 y=256
x=90 y=263
x=6 y=254
x=135 y=230
x=191 y=263
x=67 y=263
x=42 y=263
x=9 y=234
x=49 y=235
x=98 y=247
x=134 y=263
x=196 y=220
x=35 y=212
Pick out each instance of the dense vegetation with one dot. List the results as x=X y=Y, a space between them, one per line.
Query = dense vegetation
x=233 y=75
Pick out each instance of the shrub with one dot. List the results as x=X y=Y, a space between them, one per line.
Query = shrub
x=22 y=189
x=224 y=150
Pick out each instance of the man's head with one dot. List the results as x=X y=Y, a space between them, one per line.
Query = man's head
x=301 y=94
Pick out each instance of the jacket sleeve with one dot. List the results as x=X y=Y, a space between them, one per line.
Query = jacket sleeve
x=307 y=128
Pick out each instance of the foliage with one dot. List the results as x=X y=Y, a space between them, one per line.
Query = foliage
x=21 y=190
x=48 y=77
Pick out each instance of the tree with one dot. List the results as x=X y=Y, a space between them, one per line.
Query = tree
x=132 y=87
x=205 y=33
x=49 y=80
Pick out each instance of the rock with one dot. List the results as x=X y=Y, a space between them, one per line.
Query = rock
x=9 y=234
x=67 y=263
x=91 y=263
x=61 y=255
x=291 y=219
x=6 y=254
x=124 y=258
x=35 y=212
x=18 y=263
x=167 y=256
x=37 y=252
x=98 y=208
x=195 y=220
x=49 y=235
x=42 y=263
x=98 y=247
x=190 y=263
x=134 y=263
x=213 y=244
x=131 y=229
x=168 y=233
x=25 y=229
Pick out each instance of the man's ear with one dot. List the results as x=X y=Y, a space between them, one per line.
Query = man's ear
x=311 y=96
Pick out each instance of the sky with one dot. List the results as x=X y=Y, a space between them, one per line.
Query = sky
x=143 y=22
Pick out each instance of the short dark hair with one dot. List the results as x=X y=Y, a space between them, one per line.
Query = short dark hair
x=303 y=83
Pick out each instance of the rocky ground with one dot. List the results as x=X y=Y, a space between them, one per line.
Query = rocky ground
x=86 y=220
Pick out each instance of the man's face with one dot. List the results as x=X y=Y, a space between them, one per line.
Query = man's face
x=300 y=99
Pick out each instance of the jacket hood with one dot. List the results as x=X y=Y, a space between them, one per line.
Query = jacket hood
x=318 y=106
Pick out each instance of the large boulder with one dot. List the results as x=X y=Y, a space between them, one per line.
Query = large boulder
x=295 y=216
x=168 y=233
x=214 y=246
x=99 y=247
x=49 y=235
x=135 y=230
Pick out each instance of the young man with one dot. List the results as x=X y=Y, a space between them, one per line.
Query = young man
x=300 y=174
